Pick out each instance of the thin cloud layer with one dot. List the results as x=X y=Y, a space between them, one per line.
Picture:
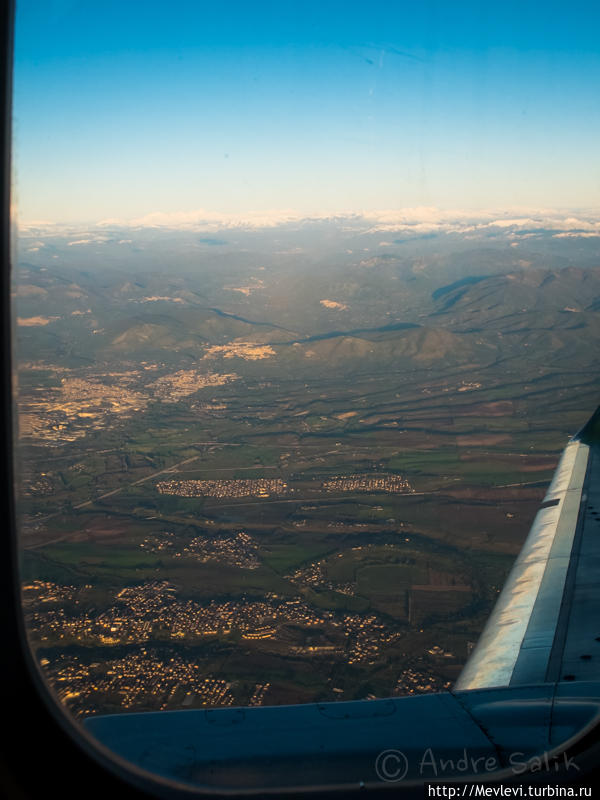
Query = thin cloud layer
x=419 y=221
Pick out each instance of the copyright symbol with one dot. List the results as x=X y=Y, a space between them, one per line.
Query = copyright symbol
x=391 y=765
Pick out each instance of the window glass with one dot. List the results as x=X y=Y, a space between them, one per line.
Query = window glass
x=305 y=306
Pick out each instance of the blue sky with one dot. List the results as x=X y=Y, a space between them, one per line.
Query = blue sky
x=123 y=109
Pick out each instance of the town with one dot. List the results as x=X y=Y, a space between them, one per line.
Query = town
x=238 y=550
x=258 y=487
x=367 y=483
x=153 y=618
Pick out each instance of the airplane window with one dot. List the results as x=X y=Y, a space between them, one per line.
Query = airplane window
x=306 y=303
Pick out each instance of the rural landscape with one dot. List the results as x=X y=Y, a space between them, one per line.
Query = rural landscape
x=288 y=464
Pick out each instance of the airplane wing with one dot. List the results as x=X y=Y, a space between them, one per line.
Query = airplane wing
x=544 y=627
x=532 y=681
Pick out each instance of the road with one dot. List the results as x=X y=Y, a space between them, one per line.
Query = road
x=86 y=503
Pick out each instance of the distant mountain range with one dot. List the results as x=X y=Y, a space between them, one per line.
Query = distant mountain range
x=319 y=305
